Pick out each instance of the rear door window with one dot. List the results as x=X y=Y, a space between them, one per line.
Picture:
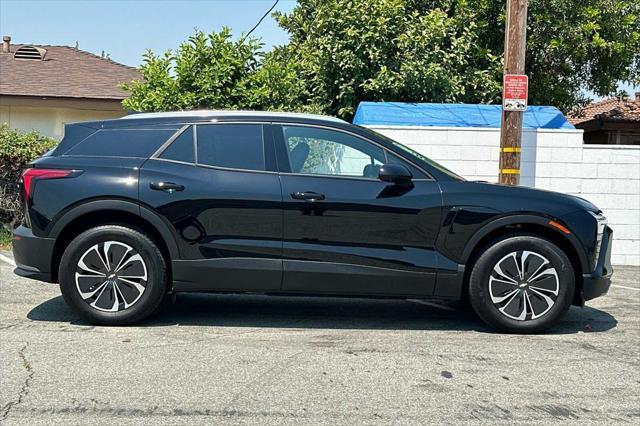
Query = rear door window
x=127 y=142
x=235 y=146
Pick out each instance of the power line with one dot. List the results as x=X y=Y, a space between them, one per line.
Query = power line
x=261 y=19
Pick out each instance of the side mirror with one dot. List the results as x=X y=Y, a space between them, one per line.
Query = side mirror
x=395 y=173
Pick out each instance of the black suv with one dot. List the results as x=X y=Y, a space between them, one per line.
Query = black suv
x=123 y=212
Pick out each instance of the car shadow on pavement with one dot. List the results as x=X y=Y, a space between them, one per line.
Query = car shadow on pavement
x=322 y=313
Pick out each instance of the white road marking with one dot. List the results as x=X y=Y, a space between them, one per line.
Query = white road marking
x=624 y=286
x=7 y=260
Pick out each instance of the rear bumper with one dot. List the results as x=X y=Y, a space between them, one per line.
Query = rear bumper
x=32 y=255
x=598 y=282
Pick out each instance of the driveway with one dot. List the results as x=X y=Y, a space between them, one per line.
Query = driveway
x=280 y=360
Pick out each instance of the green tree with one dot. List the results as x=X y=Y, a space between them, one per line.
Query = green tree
x=337 y=57
x=278 y=84
x=572 y=46
x=342 y=52
x=391 y=50
x=450 y=50
x=207 y=71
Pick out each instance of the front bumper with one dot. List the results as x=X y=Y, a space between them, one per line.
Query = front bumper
x=598 y=282
x=32 y=255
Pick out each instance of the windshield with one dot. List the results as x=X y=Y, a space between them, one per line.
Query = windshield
x=416 y=154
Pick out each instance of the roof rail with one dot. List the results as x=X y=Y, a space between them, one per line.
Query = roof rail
x=228 y=113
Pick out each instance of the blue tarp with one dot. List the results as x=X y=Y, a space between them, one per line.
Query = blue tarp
x=453 y=115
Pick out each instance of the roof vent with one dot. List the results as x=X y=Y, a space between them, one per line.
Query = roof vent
x=30 y=52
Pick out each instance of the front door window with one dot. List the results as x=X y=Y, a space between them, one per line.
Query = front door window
x=318 y=151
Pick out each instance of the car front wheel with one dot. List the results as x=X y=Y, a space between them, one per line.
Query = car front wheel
x=522 y=284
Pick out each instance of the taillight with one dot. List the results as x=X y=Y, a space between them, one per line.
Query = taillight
x=29 y=176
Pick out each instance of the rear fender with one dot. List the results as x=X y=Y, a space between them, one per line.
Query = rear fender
x=57 y=226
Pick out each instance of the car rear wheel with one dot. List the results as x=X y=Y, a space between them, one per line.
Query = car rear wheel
x=113 y=275
x=522 y=284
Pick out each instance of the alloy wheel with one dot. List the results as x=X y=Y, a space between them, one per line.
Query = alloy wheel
x=524 y=285
x=111 y=276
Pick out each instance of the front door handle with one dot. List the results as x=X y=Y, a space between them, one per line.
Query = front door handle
x=307 y=196
x=166 y=186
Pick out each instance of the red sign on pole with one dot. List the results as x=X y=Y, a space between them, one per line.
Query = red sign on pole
x=514 y=95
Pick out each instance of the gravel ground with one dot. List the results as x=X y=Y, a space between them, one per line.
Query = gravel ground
x=281 y=360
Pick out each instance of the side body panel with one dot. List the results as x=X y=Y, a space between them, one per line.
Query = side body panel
x=365 y=237
x=228 y=225
x=473 y=210
x=100 y=179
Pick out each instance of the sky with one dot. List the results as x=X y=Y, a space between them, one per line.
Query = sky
x=126 y=28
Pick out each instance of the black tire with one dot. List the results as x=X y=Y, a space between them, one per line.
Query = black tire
x=487 y=286
x=143 y=298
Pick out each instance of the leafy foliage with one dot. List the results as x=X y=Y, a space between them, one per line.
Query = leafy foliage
x=5 y=238
x=342 y=52
x=207 y=71
x=572 y=46
x=389 y=50
x=16 y=150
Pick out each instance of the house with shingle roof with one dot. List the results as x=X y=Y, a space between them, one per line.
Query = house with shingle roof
x=43 y=87
x=613 y=121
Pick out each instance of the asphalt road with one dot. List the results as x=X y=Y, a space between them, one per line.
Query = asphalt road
x=253 y=359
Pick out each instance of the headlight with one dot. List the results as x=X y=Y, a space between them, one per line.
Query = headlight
x=601 y=224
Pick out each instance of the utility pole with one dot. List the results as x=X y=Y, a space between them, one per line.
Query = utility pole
x=515 y=38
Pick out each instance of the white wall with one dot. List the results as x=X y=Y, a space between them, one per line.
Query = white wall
x=607 y=175
x=50 y=121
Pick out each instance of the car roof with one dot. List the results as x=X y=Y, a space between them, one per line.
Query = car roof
x=200 y=115
x=176 y=119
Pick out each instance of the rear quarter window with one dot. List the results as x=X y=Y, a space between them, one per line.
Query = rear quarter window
x=128 y=142
x=181 y=149
x=73 y=134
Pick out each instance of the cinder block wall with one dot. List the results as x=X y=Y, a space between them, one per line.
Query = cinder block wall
x=607 y=175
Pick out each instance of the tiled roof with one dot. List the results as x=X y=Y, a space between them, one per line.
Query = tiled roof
x=612 y=109
x=64 y=72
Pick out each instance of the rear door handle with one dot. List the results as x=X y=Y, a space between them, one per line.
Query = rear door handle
x=166 y=186
x=307 y=196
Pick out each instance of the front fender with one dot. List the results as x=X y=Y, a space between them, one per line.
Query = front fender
x=524 y=219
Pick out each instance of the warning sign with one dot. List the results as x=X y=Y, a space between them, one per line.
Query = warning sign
x=514 y=96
